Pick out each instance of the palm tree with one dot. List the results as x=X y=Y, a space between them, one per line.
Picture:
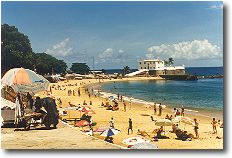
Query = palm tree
x=170 y=61
x=126 y=69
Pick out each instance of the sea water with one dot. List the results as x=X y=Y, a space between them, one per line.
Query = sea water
x=203 y=94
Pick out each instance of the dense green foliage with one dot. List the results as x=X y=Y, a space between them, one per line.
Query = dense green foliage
x=80 y=68
x=16 y=51
x=46 y=63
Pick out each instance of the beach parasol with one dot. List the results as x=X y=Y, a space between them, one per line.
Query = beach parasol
x=187 y=120
x=163 y=122
x=81 y=123
x=134 y=140
x=101 y=129
x=84 y=108
x=110 y=132
x=144 y=145
x=89 y=112
x=177 y=119
x=25 y=80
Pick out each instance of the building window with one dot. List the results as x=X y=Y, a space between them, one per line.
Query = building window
x=140 y=63
x=153 y=67
x=145 y=68
x=141 y=67
x=144 y=62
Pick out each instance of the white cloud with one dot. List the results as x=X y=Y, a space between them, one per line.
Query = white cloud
x=108 y=53
x=61 y=49
x=121 y=51
x=150 y=56
x=219 y=6
x=197 y=49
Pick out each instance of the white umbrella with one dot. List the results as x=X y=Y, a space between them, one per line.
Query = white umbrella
x=110 y=132
x=187 y=120
x=177 y=119
x=25 y=80
x=134 y=140
x=144 y=145
x=163 y=122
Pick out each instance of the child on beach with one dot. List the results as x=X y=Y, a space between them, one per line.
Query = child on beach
x=130 y=126
x=214 y=124
x=196 y=128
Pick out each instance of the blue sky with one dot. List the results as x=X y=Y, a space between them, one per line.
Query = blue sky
x=120 y=33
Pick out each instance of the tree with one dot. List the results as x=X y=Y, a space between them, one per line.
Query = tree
x=170 y=61
x=126 y=70
x=80 y=68
x=16 y=49
x=46 y=63
x=17 y=52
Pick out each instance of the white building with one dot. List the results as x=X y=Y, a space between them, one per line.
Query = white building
x=157 y=67
x=154 y=64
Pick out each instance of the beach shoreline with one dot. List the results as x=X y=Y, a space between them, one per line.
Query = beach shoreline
x=103 y=116
x=139 y=113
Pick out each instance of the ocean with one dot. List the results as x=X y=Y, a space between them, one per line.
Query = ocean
x=203 y=94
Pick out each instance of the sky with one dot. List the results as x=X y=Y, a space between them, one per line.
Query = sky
x=108 y=35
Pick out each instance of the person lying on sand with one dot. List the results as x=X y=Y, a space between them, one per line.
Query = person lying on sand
x=142 y=133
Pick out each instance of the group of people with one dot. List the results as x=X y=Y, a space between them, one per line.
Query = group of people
x=160 y=108
x=177 y=112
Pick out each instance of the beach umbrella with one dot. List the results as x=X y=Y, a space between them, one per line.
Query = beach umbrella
x=134 y=140
x=144 y=145
x=187 y=120
x=25 y=80
x=163 y=122
x=81 y=123
x=89 y=112
x=84 y=108
x=101 y=129
x=177 y=119
x=110 y=132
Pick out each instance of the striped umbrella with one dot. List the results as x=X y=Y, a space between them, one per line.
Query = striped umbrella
x=110 y=132
x=25 y=80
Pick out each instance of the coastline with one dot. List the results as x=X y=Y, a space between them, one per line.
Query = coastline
x=138 y=112
x=207 y=113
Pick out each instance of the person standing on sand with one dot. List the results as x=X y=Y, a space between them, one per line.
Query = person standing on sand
x=111 y=122
x=124 y=103
x=130 y=126
x=182 y=111
x=196 y=128
x=160 y=109
x=214 y=124
x=154 y=108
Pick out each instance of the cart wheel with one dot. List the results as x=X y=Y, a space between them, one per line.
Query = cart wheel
x=27 y=127
x=47 y=125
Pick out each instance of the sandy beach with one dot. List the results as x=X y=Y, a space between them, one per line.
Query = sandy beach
x=140 y=115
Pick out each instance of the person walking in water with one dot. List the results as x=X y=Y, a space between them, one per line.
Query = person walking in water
x=130 y=126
